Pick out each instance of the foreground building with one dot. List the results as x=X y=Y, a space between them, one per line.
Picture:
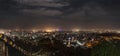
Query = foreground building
x=3 y=49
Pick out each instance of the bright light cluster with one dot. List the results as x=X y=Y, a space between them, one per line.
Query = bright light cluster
x=2 y=32
x=76 y=30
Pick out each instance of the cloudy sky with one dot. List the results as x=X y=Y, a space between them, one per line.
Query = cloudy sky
x=86 y=14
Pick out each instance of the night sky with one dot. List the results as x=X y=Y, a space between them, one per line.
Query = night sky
x=65 y=14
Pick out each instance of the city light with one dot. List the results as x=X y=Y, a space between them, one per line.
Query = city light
x=34 y=30
x=49 y=30
x=85 y=40
x=2 y=32
x=75 y=30
x=118 y=31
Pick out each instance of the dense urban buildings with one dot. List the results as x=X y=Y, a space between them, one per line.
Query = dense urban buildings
x=60 y=43
x=59 y=28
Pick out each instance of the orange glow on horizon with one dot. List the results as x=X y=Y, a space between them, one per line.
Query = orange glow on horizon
x=76 y=30
x=35 y=30
x=2 y=31
x=49 y=30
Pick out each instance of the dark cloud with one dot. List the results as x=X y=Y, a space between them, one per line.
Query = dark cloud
x=60 y=13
